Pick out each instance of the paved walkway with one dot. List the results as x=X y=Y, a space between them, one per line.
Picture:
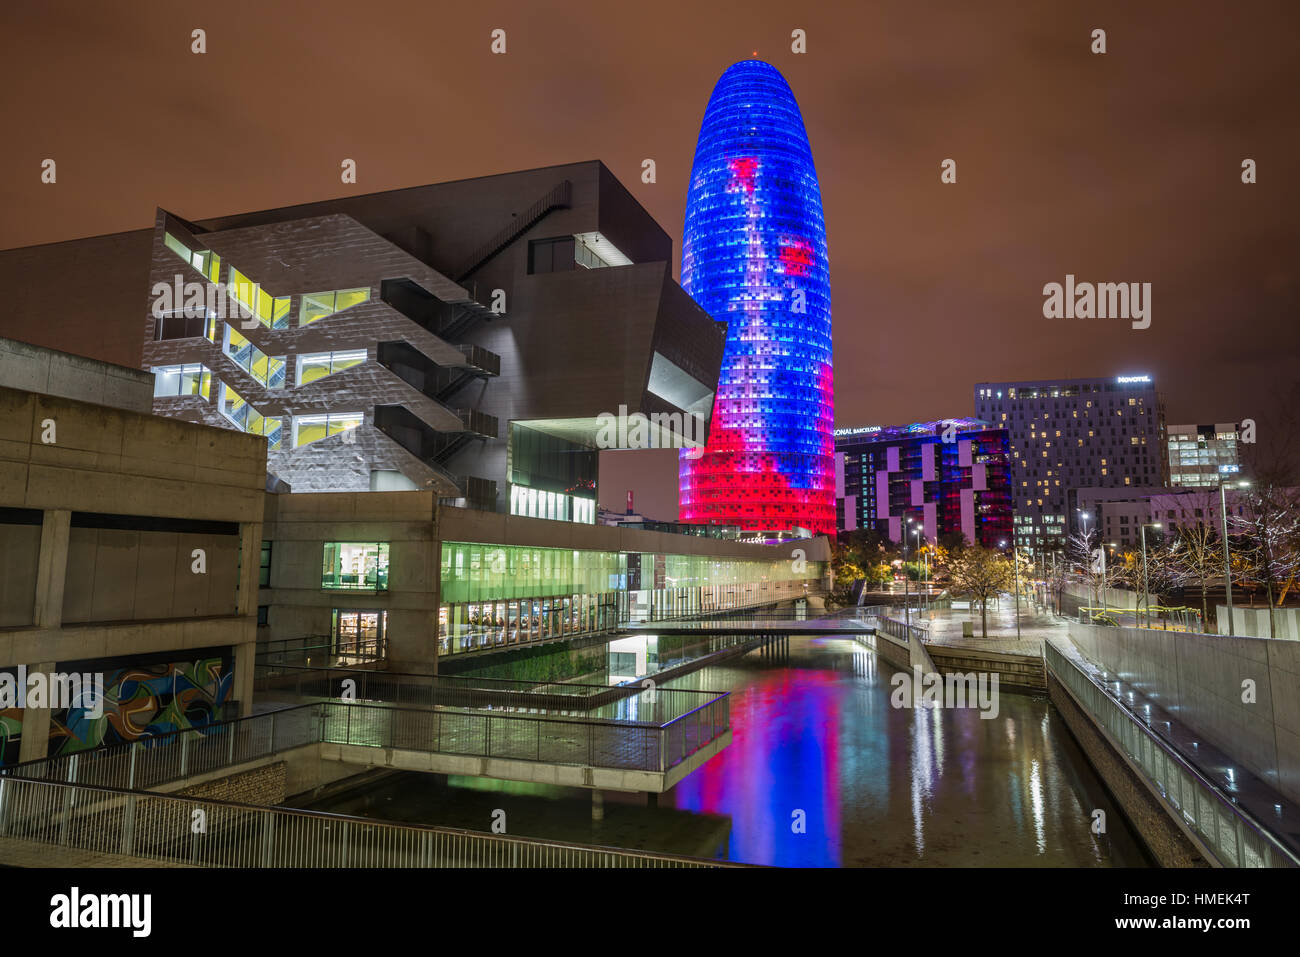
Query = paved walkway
x=945 y=627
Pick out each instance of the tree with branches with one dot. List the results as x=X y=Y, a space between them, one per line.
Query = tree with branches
x=980 y=573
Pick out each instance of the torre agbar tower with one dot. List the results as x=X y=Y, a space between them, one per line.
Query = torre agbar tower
x=754 y=255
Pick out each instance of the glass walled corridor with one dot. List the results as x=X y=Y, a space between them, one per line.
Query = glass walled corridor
x=498 y=595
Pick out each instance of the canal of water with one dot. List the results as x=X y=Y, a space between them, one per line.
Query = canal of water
x=821 y=772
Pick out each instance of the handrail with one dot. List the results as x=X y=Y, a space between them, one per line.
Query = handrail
x=99 y=819
x=1271 y=853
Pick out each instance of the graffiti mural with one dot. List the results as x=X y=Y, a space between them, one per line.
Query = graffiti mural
x=143 y=701
x=11 y=729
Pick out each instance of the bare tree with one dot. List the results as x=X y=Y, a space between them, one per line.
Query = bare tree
x=980 y=573
x=1269 y=526
x=1195 y=557
x=1083 y=553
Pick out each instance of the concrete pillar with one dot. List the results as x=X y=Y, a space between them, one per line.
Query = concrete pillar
x=51 y=568
x=241 y=687
x=35 y=741
x=250 y=561
x=597 y=805
x=245 y=644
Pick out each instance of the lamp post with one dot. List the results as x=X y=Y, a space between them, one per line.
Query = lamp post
x=920 y=540
x=1146 y=582
x=1087 y=542
x=1104 y=593
x=1223 y=517
x=907 y=609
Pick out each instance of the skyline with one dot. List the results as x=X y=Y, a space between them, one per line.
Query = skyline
x=1056 y=175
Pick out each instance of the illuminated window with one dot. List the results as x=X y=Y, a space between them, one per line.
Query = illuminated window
x=270 y=312
x=360 y=565
x=313 y=428
x=318 y=305
x=182 y=380
x=268 y=370
x=321 y=364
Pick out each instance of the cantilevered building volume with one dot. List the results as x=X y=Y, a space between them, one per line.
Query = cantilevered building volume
x=754 y=254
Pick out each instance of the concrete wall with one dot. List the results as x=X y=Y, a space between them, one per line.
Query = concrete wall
x=36 y=369
x=120 y=575
x=1200 y=678
x=100 y=511
x=298 y=525
x=1254 y=622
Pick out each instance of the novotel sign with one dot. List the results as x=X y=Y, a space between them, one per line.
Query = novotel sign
x=1134 y=378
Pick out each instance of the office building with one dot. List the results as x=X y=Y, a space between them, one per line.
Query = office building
x=1074 y=433
x=950 y=476
x=754 y=255
x=1196 y=453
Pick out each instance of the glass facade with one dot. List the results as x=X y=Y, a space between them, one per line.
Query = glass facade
x=321 y=364
x=313 y=428
x=358 y=633
x=359 y=565
x=506 y=594
x=182 y=380
x=754 y=255
x=318 y=305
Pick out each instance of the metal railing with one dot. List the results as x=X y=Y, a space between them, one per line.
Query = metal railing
x=179 y=756
x=630 y=701
x=307 y=647
x=626 y=745
x=1232 y=834
x=156 y=827
x=900 y=629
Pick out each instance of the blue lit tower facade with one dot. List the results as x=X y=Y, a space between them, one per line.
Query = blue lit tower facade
x=754 y=255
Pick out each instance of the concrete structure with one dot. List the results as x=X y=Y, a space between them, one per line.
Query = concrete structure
x=1200 y=678
x=1255 y=622
x=1068 y=433
x=1119 y=513
x=950 y=476
x=128 y=545
x=437 y=580
x=32 y=368
x=1197 y=451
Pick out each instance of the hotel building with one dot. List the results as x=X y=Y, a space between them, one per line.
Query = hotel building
x=1073 y=433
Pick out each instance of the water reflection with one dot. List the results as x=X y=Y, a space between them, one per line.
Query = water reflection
x=822 y=771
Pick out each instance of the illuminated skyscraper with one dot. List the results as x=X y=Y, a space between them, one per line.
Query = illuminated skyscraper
x=754 y=255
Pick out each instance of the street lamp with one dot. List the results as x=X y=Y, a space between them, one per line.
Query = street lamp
x=1223 y=516
x=1146 y=583
x=1104 y=593
x=920 y=539
x=907 y=609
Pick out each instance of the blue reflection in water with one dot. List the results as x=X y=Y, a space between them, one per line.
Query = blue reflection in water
x=775 y=770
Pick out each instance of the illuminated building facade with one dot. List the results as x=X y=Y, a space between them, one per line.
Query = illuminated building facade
x=1074 y=433
x=1197 y=452
x=948 y=476
x=754 y=255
